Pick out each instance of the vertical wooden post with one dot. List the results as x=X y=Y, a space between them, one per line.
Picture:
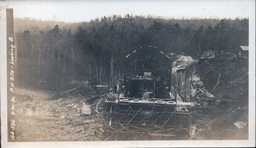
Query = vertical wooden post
x=59 y=59
x=176 y=87
x=111 y=71
x=64 y=62
x=189 y=83
x=52 y=59
x=39 y=63
x=100 y=73
x=171 y=83
x=97 y=74
x=73 y=57
x=154 y=89
x=169 y=75
x=125 y=83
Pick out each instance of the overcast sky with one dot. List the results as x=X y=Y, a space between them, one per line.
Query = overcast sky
x=77 y=11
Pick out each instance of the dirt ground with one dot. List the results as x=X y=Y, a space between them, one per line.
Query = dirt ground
x=53 y=116
x=221 y=122
x=41 y=116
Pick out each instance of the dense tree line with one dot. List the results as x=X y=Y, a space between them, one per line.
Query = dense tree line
x=87 y=50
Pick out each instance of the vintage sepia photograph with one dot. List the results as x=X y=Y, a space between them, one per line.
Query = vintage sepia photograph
x=127 y=73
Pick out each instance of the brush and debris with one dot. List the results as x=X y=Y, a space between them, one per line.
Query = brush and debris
x=76 y=113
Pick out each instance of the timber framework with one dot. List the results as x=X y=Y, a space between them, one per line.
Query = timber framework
x=152 y=100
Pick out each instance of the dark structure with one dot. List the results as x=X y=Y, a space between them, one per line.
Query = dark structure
x=242 y=51
x=146 y=104
x=147 y=74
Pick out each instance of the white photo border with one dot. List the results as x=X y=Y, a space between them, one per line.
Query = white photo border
x=185 y=143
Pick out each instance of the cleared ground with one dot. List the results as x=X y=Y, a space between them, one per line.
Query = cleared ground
x=54 y=116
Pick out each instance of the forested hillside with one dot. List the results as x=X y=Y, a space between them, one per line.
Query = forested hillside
x=56 y=53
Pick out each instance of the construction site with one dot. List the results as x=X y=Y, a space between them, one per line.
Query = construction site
x=161 y=96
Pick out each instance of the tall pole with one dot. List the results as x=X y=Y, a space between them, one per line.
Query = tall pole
x=111 y=70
